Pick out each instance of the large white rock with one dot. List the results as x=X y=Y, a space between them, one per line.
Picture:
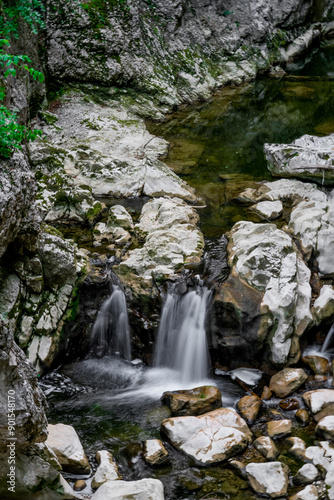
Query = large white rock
x=308 y=157
x=320 y=402
x=270 y=479
x=107 y=149
x=145 y=489
x=106 y=471
x=172 y=240
x=65 y=443
x=266 y=259
x=209 y=438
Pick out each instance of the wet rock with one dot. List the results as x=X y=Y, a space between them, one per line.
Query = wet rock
x=106 y=235
x=249 y=407
x=253 y=299
x=298 y=447
x=319 y=365
x=172 y=240
x=306 y=474
x=65 y=442
x=323 y=307
x=325 y=428
x=79 y=485
x=308 y=493
x=278 y=429
x=268 y=209
x=289 y=404
x=308 y=157
x=269 y=479
x=193 y=401
x=266 y=447
x=107 y=469
x=303 y=416
x=120 y=217
x=150 y=489
x=266 y=393
x=287 y=381
x=320 y=402
x=209 y=438
x=154 y=452
x=238 y=467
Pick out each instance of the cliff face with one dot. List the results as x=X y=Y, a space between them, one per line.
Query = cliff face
x=177 y=50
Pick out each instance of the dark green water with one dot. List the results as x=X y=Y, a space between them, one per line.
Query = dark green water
x=217 y=147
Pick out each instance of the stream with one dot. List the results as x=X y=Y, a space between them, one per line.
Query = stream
x=217 y=147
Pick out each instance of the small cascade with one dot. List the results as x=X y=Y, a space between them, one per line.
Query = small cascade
x=328 y=339
x=181 y=342
x=111 y=331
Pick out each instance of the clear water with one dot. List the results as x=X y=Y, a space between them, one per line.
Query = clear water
x=217 y=146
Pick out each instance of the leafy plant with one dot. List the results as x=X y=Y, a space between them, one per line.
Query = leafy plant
x=11 y=12
x=11 y=133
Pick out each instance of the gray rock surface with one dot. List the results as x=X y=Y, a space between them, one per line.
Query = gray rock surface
x=182 y=50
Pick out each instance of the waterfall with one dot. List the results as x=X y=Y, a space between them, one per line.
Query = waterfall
x=181 y=342
x=111 y=331
x=327 y=339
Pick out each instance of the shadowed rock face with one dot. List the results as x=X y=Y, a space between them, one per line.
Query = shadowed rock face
x=176 y=49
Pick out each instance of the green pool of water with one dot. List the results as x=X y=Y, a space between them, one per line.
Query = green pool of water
x=217 y=146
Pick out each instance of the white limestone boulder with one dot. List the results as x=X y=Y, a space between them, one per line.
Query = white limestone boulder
x=172 y=240
x=268 y=209
x=307 y=474
x=271 y=479
x=268 y=278
x=209 y=438
x=65 y=443
x=308 y=157
x=145 y=489
x=120 y=217
x=325 y=427
x=320 y=402
x=106 y=471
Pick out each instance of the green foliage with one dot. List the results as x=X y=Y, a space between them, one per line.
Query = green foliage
x=11 y=12
x=12 y=134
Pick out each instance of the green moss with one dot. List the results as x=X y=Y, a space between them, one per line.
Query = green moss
x=51 y=230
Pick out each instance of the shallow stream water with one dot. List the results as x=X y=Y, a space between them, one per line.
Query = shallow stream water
x=217 y=147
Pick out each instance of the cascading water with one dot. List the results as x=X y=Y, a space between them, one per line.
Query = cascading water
x=328 y=339
x=111 y=331
x=181 y=343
